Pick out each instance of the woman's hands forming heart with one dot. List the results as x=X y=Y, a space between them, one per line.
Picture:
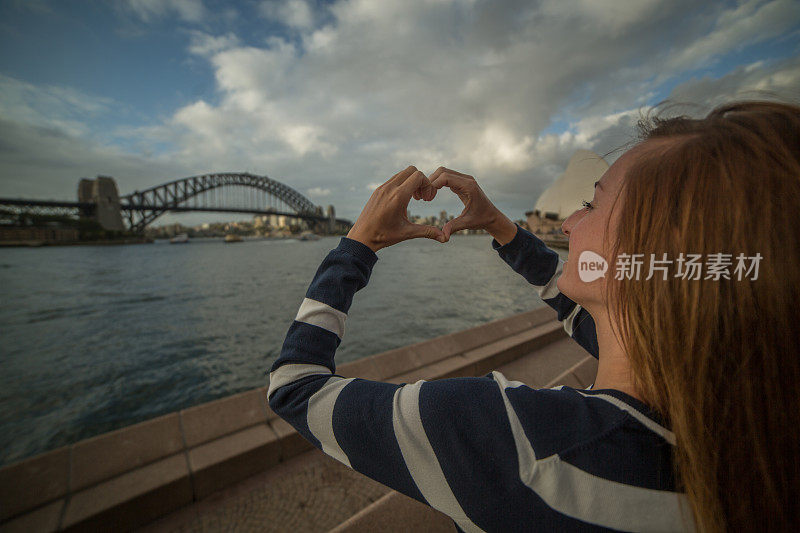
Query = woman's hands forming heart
x=478 y=213
x=383 y=221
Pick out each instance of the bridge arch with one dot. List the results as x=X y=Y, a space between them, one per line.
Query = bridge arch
x=143 y=207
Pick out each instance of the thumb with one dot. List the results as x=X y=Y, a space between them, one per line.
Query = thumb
x=455 y=225
x=429 y=232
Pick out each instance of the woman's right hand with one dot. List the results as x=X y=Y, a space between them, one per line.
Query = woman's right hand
x=479 y=212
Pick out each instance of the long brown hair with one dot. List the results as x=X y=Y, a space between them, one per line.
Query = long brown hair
x=720 y=359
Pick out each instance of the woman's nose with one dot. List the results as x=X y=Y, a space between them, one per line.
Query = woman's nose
x=566 y=226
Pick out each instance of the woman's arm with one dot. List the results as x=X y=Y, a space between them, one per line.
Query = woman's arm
x=404 y=436
x=486 y=451
x=540 y=266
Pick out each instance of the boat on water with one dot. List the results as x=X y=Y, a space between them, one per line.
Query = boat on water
x=308 y=236
x=179 y=239
x=230 y=237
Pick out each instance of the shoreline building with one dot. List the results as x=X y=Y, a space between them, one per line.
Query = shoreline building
x=563 y=197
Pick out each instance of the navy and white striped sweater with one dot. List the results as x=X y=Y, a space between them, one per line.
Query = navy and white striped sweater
x=491 y=453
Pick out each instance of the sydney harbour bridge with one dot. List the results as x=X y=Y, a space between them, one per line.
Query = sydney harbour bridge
x=230 y=192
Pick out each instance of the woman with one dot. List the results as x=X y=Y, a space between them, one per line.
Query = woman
x=690 y=423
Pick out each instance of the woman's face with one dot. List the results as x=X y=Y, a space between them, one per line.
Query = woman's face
x=586 y=229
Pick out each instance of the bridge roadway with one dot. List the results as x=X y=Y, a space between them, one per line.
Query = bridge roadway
x=226 y=192
x=177 y=209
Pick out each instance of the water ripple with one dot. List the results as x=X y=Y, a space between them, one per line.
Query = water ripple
x=95 y=339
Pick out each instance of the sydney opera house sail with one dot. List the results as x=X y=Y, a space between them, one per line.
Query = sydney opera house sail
x=564 y=196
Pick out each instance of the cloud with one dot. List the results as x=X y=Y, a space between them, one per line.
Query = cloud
x=203 y=44
x=319 y=191
x=46 y=162
x=186 y=10
x=759 y=80
x=498 y=148
x=469 y=85
x=293 y=13
x=49 y=105
x=749 y=22
x=505 y=91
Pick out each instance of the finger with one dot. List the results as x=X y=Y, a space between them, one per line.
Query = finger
x=456 y=183
x=401 y=176
x=425 y=192
x=418 y=185
x=429 y=232
x=457 y=224
x=443 y=170
x=431 y=193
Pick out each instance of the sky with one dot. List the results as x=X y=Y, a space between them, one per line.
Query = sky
x=333 y=98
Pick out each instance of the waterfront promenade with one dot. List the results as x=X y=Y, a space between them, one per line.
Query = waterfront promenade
x=233 y=464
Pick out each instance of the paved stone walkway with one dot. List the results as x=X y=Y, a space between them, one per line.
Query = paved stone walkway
x=309 y=492
x=312 y=492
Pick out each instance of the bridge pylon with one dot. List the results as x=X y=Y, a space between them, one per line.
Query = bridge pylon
x=331 y=219
x=104 y=194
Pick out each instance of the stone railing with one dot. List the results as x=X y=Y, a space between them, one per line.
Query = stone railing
x=132 y=476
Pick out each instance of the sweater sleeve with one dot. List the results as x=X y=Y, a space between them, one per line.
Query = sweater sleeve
x=431 y=441
x=490 y=453
x=540 y=266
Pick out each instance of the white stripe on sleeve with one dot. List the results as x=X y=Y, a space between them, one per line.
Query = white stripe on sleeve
x=320 y=416
x=290 y=372
x=420 y=457
x=322 y=315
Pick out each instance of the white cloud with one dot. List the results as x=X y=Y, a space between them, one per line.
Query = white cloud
x=303 y=138
x=360 y=93
x=186 y=10
x=319 y=191
x=46 y=162
x=294 y=13
x=498 y=148
x=49 y=106
x=749 y=22
x=203 y=44
x=756 y=80
x=610 y=16
x=391 y=83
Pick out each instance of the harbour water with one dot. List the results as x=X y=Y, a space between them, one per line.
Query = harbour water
x=94 y=338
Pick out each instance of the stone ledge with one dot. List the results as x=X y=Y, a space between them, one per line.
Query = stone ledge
x=400 y=360
x=33 y=482
x=225 y=461
x=42 y=520
x=208 y=421
x=550 y=362
x=488 y=357
x=105 y=456
x=585 y=371
x=131 y=499
x=292 y=442
x=579 y=376
x=161 y=464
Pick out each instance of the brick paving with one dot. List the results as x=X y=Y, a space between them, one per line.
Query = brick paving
x=309 y=492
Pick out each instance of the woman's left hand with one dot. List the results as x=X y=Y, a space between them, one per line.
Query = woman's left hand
x=383 y=221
